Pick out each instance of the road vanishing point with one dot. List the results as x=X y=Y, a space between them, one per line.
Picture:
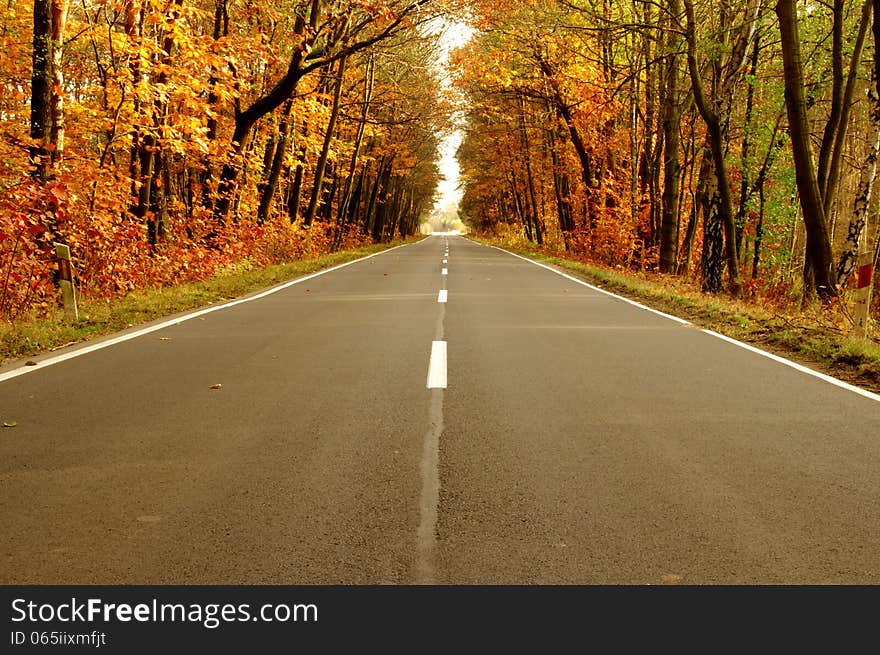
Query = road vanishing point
x=440 y=413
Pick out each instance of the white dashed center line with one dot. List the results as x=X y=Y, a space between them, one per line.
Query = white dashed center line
x=437 y=366
x=441 y=297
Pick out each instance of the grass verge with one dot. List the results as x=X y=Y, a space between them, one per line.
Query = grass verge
x=813 y=337
x=35 y=335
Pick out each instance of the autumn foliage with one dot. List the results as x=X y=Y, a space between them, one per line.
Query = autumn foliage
x=140 y=171
x=656 y=137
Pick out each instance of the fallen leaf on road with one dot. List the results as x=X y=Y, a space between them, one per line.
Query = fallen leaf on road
x=671 y=578
x=10 y=424
x=30 y=362
x=216 y=386
x=164 y=338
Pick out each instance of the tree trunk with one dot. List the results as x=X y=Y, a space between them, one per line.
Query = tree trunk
x=221 y=28
x=818 y=248
x=832 y=178
x=383 y=187
x=276 y=165
x=245 y=120
x=561 y=187
x=745 y=153
x=370 y=210
x=317 y=187
x=671 y=167
x=355 y=201
x=716 y=137
x=565 y=112
x=699 y=201
x=530 y=180
x=518 y=207
x=59 y=21
x=759 y=232
x=133 y=27
x=150 y=206
x=297 y=68
x=342 y=215
x=862 y=202
x=41 y=90
x=831 y=125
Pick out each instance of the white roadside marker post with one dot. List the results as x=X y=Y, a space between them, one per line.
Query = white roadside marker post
x=864 y=284
x=65 y=281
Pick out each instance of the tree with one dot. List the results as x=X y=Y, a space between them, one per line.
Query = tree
x=818 y=242
x=323 y=37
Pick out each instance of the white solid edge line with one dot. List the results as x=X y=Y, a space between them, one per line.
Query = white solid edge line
x=443 y=295
x=781 y=360
x=798 y=367
x=437 y=366
x=595 y=288
x=180 y=319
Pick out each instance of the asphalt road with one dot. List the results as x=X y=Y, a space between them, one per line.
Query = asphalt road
x=529 y=429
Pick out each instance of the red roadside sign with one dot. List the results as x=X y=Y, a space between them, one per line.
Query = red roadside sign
x=64 y=272
x=865 y=275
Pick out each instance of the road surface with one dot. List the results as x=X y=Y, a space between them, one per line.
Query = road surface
x=443 y=412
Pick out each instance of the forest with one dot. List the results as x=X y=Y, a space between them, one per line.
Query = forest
x=730 y=144
x=164 y=141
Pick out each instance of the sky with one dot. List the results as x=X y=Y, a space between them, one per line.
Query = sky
x=448 y=193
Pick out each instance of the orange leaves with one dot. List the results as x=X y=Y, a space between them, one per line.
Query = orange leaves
x=112 y=257
x=26 y=265
x=152 y=92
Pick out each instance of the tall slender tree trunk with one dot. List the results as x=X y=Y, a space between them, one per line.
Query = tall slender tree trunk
x=133 y=28
x=221 y=29
x=518 y=206
x=530 y=180
x=380 y=206
x=687 y=244
x=276 y=165
x=671 y=166
x=835 y=111
x=712 y=260
x=561 y=185
x=745 y=153
x=342 y=214
x=864 y=192
x=317 y=187
x=818 y=247
x=716 y=137
x=41 y=90
x=370 y=209
x=59 y=21
x=354 y=201
x=833 y=177
x=150 y=206
x=759 y=232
